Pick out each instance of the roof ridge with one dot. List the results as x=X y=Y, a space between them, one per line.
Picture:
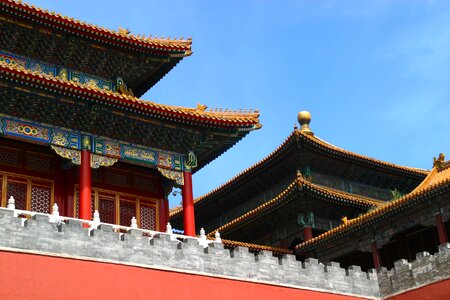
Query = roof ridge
x=185 y=44
x=246 y=117
x=368 y=158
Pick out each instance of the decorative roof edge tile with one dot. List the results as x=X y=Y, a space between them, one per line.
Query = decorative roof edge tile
x=435 y=181
x=299 y=184
x=315 y=142
x=255 y=247
x=177 y=211
x=362 y=158
x=237 y=119
x=121 y=35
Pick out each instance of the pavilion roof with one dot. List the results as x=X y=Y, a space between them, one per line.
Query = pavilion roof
x=437 y=182
x=315 y=143
x=141 y=61
x=121 y=37
x=244 y=120
x=291 y=193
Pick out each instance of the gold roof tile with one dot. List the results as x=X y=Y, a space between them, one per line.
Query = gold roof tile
x=436 y=178
x=298 y=183
x=315 y=141
x=256 y=247
x=245 y=118
x=174 y=44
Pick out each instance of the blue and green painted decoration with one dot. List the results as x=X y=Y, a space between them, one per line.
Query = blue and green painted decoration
x=57 y=71
x=47 y=134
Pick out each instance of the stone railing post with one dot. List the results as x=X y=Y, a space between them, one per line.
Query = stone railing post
x=217 y=238
x=11 y=203
x=134 y=223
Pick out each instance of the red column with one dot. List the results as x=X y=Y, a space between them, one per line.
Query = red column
x=442 y=232
x=188 y=205
x=307 y=233
x=85 y=186
x=375 y=255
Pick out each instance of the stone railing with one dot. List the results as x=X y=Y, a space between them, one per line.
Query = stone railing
x=53 y=235
x=406 y=276
x=95 y=223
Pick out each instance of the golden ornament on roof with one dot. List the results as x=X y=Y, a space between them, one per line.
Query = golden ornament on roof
x=304 y=118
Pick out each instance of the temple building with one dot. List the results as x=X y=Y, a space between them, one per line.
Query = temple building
x=86 y=167
x=74 y=132
x=315 y=198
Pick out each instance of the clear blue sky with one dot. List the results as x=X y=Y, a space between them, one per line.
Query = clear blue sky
x=374 y=74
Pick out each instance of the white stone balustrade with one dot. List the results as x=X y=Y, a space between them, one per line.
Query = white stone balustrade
x=203 y=241
x=11 y=203
x=134 y=223
x=55 y=217
x=217 y=238
x=96 y=220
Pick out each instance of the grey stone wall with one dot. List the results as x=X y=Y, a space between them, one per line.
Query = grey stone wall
x=426 y=269
x=69 y=238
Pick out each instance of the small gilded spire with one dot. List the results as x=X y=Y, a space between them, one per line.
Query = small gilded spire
x=304 y=118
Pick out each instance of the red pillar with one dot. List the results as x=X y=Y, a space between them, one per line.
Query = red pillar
x=307 y=233
x=188 y=205
x=375 y=255
x=442 y=232
x=85 y=186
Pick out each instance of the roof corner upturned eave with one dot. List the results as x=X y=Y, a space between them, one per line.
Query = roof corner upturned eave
x=240 y=176
x=437 y=182
x=121 y=37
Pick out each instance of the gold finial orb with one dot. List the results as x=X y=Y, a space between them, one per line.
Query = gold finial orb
x=304 y=118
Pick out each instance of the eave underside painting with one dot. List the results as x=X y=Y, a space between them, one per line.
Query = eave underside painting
x=50 y=45
x=102 y=120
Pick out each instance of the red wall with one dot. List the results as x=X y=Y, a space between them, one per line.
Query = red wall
x=435 y=291
x=28 y=276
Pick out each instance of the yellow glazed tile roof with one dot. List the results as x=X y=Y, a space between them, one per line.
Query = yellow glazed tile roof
x=348 y=154
x=330 y=195
x=178 y=210
x=255 y=247
x=225 y=118
x=316 y=143
x=117 y=37
x=436 y=179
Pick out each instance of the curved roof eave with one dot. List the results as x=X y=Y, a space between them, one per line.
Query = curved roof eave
x=436 y=181
x=316 y=143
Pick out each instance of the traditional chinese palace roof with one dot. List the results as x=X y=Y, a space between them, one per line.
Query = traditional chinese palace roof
x=436 y=183
x=299 y=188
x=55 y=39
x=46 y=80
x=295 y=149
